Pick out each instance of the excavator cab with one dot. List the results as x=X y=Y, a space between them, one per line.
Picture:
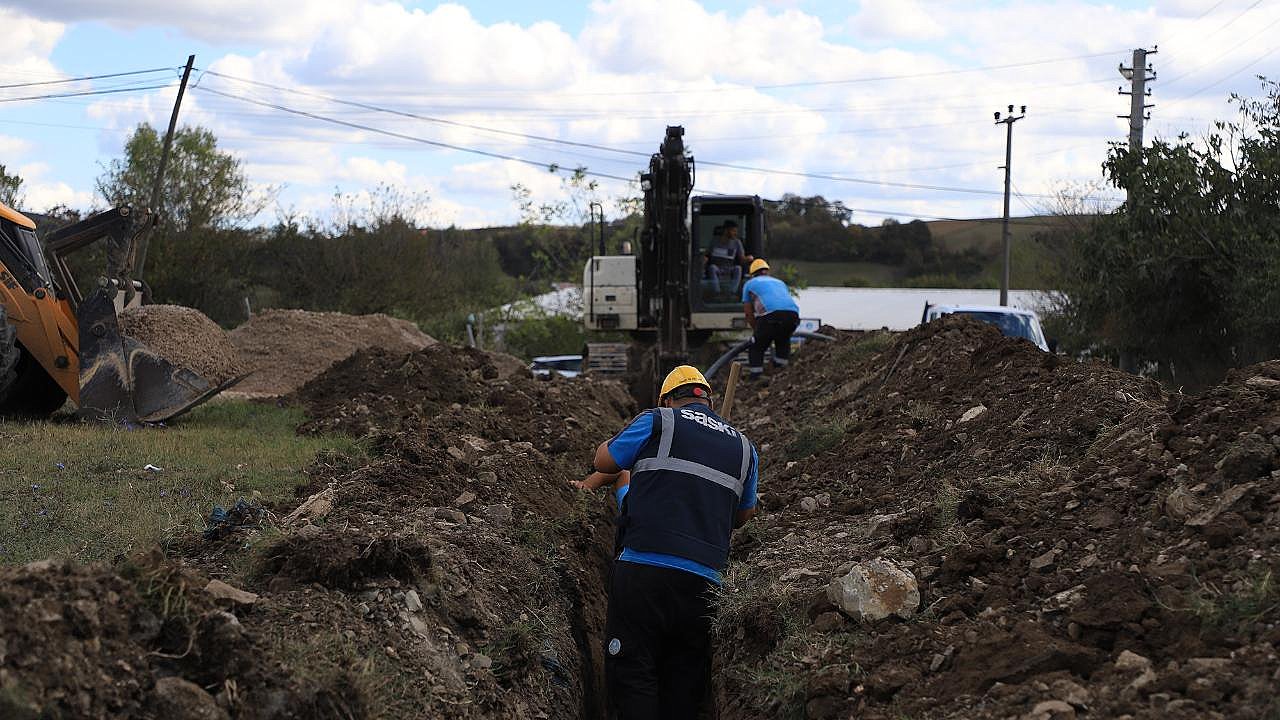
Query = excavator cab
x=56 y=343
x=727 y=232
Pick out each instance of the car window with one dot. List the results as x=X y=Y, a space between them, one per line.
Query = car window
x=1009 y=324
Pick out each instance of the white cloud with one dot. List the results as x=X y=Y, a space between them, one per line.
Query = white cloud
x=885 y=20
x=40 y=194
x=631 y=70
x=226 y=21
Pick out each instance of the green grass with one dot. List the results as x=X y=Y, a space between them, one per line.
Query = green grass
x=816 y=438
x=80 y=491
x=1255 y=598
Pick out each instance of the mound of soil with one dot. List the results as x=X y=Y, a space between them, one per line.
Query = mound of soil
x=185 y=337
x=286 y=348
x=139 y=641
x=1084 y=544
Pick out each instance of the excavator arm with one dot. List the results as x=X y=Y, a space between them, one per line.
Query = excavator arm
x=70 y=345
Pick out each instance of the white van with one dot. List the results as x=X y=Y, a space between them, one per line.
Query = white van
x=1013 y=322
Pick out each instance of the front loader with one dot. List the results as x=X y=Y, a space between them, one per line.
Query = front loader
x=56 y=343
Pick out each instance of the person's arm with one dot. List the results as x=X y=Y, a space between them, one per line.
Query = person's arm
x=617 y=454
x=749 y=309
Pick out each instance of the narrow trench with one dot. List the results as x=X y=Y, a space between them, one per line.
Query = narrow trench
x=587 y=589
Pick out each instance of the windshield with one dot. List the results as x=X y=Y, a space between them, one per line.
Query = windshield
x=1023 y=326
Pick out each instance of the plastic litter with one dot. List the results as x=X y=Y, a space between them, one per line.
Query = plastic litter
x=152 y=468
x=223 y=522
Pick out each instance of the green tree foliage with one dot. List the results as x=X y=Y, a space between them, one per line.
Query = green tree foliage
x=10 y=188
x=1187 y=273
x=195 y=255
x=811 y=229
x=204 y=187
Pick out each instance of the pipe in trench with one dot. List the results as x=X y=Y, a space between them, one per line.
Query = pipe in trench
x=739 y=347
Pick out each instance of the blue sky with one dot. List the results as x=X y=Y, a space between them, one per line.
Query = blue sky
x=612 y=74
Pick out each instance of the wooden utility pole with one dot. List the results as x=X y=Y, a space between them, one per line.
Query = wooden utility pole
x=158 y=184
x=1004 y=227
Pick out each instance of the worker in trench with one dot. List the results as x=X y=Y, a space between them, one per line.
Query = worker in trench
x=773 y=316
x=684 y=479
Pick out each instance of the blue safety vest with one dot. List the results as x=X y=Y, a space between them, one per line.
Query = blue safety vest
x=686 y=484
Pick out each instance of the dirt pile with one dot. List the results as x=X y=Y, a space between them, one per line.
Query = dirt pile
x=141 y=640
x=286 y=348
x=185 y=337
x=1083 y=544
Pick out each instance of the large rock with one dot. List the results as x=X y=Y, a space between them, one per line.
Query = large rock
x=178 y=699
x=875 y=590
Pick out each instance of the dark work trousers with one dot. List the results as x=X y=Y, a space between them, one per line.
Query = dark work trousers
x=657 y=643
x=777 y=328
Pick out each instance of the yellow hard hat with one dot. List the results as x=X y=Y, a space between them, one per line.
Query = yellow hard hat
x=757 y=265
x=681 y=376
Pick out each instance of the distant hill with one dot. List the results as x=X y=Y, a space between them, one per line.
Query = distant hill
x=984 y=234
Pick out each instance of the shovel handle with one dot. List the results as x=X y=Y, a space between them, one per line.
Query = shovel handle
x=726 y=406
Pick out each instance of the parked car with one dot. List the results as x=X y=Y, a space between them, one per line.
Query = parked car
x=563 y=365
x=1013 y=322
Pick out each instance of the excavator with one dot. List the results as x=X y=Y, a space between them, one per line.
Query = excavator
x=56 y=343
x=663 y=295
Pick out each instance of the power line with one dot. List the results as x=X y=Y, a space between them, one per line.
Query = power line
x=937 y=73
x=428 y=118
x=554 y=167
x=85 y=78
x=85 y=93
x=572 y=143
x=1236 y=46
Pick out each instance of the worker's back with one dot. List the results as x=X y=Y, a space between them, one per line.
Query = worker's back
x=686 y=485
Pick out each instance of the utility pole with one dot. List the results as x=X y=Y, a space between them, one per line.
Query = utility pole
x=1008 y=122
x=1138 y=94
x=158 y=183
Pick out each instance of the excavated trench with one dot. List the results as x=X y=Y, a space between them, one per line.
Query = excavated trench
x=474 y=457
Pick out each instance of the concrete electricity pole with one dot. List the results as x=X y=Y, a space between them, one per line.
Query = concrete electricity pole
x=1008 y=161
x=1138 y=94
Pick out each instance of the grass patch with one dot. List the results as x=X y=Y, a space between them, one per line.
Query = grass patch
x=351 y=682
x=81 y=491
x=816 y=438
x=1248 y=602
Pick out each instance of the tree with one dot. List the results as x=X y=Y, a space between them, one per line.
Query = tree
x=204 y=187
x=10 y=188
x=193 y=257
x=1184 y=274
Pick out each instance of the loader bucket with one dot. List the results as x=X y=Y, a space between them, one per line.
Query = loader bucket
x=123 y=380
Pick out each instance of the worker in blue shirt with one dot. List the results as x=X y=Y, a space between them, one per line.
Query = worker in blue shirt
x=773 y=316
x=693 y=479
